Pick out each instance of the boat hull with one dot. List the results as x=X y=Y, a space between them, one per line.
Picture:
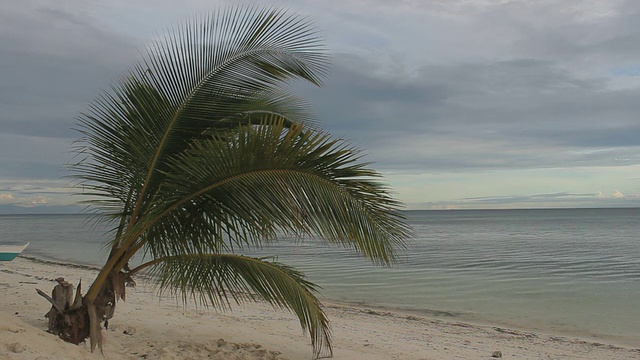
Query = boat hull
x=5 y=256
x=10 y=252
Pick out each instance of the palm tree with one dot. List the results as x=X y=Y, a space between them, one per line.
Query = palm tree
x=200 y=152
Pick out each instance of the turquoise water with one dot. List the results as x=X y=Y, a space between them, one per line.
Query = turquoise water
x=568 y=271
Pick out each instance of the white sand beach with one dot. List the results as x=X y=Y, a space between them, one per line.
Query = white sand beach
x=150 y=327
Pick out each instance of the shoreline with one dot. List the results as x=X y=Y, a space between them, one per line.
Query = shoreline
x=154 y=327
x=412 y=314
x=456 y=318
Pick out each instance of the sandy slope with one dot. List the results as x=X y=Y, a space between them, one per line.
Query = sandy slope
x=149 y=327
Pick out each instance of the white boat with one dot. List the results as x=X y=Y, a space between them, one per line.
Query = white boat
x=9 y=252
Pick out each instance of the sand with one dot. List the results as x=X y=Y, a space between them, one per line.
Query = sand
x=147 y=326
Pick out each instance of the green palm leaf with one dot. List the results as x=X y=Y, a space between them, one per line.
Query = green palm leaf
x=201 y=149
x=270 y=178
x=214 y=279
x=210 y=73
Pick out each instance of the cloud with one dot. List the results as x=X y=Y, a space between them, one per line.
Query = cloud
x=494 y=115
x=556 y=200
x=6 y=198
x=36 y=201
x=463 y=87
x=528 y=198
x=626 y=71
x=29 y=199
x=59 y=58
x=24 y=202
x=23 y=193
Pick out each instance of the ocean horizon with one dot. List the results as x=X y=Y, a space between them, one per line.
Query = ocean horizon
x=572 y=272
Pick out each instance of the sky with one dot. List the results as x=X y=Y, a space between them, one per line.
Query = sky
x=460 y=104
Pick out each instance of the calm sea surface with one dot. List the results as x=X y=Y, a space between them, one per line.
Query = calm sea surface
x=566 y=271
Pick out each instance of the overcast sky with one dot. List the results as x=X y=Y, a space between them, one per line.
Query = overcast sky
x=459 y=103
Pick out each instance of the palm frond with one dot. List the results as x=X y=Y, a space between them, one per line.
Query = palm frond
x=214 y=279
x=192 y=81
x=270 y=178
x=201 y=149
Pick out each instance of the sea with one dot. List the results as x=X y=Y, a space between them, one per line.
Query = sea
x=567 y=272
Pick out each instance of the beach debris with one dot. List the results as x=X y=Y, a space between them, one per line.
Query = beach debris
x=496 y=354
x=16 y=330
x=515 y=332
x=68 y=318
x=60 y=300
x=16 y=347
x=130 y=330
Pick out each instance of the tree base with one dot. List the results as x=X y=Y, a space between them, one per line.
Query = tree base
x=68 y=316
